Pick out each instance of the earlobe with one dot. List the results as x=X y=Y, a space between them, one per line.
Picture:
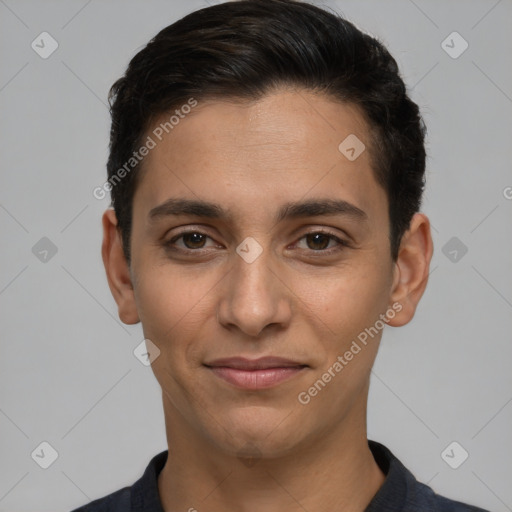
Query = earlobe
x=117 y=269
x=411 y=269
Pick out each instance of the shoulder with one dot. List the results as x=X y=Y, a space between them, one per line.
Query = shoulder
x=402 y=492
x=422 y=494
x=118 y=501
x=444 y=504
x=142 y=495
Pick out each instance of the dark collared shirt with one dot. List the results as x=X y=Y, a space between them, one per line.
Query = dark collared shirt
x=401 y=492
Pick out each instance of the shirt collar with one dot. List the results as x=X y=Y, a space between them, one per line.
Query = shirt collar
x=392 y=495
x=144 y=492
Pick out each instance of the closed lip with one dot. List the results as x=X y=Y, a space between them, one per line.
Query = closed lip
x=262 y=363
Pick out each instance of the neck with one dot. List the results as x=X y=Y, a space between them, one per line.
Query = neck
x=335 y=470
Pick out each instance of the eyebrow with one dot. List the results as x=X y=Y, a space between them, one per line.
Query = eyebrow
x=310 y=208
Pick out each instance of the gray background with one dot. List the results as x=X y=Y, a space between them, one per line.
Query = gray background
x=68 y=375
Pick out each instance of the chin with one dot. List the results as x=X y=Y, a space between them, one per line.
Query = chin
x=262 y=431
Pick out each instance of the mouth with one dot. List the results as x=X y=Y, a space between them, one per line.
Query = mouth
x=261 y=373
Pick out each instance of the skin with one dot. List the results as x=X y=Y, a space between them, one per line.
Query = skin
x=302 y=298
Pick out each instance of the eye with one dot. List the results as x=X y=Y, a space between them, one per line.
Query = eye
x=318 y=241
x=192 y=240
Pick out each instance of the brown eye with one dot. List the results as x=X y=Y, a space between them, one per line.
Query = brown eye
x=194 y=240
x=318 y=241
x=190 y=240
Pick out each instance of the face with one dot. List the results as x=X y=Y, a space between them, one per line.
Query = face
x=289 y=258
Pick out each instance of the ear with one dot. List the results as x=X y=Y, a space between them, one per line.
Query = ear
x=411 y=269
x=117 y=269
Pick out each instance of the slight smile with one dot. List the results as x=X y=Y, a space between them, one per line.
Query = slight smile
x=259 y=373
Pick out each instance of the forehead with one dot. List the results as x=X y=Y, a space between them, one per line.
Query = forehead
x=281 y=147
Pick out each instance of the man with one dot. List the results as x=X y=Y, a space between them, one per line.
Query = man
x=266 y=170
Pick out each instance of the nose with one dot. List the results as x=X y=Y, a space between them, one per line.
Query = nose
x=254 y=297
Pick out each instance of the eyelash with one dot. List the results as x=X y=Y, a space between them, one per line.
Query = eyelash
x=342 y=243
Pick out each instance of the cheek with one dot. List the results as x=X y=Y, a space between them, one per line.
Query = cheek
x=165 y=293
x=343 y=313
x=174 y=304
x=172 y=308
x=160 y=302
x=347 y=300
